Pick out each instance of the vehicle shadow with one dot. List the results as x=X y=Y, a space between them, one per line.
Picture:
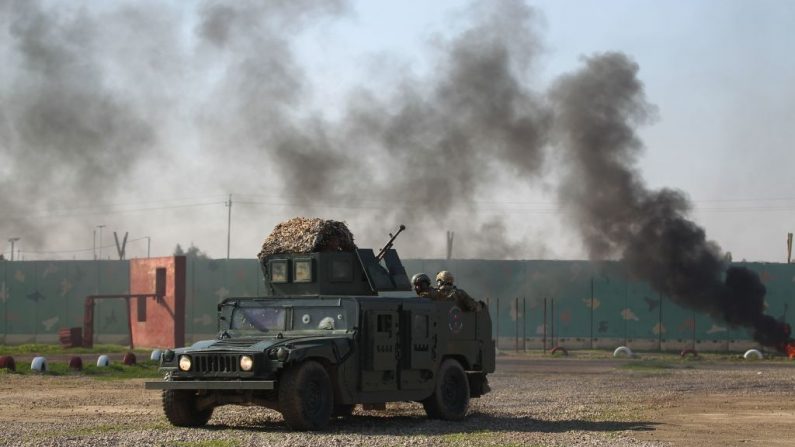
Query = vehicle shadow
x=407 y=425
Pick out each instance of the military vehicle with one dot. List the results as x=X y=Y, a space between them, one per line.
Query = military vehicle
x=324 y=341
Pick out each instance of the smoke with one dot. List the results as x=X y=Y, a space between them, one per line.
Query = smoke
x=252 y=109
x=92 y=96
x=596 y=111
x=415 y=152
x=438 y=141
x=67 y=136
x=103 y=102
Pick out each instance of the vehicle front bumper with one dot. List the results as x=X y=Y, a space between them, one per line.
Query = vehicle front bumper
x=211 y=385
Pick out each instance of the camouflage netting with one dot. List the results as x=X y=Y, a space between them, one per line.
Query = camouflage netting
x=307 y=235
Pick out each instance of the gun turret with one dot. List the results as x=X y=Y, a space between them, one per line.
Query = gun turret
x=389 y=244
x=318 y=257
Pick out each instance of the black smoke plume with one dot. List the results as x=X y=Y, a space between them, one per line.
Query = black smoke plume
x=415 y=151
x=444 y=139
x=596 y=111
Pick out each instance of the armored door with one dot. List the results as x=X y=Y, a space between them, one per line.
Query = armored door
x=380 y=359
x=418 y=346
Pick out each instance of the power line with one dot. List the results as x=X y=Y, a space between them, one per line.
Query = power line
x=124 y=211
x=78 y=250
x=516 y=207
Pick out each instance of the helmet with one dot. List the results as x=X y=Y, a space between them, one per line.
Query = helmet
x=420 y=278
x=444 y=277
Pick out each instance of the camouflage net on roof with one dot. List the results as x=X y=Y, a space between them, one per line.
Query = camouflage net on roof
x=307 y=235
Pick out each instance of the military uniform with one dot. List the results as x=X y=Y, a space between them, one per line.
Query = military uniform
x=461 y=298
x=433 y=294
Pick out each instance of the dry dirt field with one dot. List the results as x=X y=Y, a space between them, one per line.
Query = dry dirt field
x=536 y=401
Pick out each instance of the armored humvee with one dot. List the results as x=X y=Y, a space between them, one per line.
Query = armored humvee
x=324 y=341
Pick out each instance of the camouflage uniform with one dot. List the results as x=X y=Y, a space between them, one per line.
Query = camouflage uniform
x=461 y=298
x=433 y=294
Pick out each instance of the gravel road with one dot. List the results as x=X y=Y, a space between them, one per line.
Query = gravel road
x=535 y=401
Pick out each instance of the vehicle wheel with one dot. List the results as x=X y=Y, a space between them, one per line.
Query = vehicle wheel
x=450 y=399
x=305 y=397
x=343 y=411
x=181 y=409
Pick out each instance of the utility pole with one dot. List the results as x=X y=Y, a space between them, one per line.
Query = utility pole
x=450 y=235
x=95 y=244
x=148 y=245
x=229 y=226
x=13 y=240
x=100 y=240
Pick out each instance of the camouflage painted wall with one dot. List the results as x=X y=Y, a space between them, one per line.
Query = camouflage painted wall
x=624 y=311
x=40 y=297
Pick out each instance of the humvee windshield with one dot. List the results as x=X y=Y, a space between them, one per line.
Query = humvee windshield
x=263 y=319
x=276 y=318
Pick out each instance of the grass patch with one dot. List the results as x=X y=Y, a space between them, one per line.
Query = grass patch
x=39 y=438
x=115 y=371
x=45 y=349
x=467 y=437
x=208 y=443
x=481 y=438
x=612 y=415
x=93 y=430
x=143 y=370
x=672 y=356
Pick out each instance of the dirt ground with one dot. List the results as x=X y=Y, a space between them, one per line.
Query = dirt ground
x=536 y=401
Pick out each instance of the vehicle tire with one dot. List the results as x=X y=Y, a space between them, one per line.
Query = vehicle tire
x=305 y=396
x=343 y=411
x=450 y=399
x=181 y=409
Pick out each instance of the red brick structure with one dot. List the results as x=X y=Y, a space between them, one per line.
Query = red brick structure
x=158 y=322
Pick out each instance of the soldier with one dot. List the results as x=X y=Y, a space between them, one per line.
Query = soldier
x=444 y=280
x=422 y=287
x=421 y=283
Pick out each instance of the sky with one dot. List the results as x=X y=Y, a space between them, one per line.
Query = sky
x=144 y=117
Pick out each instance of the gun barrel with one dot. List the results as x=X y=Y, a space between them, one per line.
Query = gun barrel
x=389 y=244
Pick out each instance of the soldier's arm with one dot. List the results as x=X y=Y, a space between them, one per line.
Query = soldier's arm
x=466 y=302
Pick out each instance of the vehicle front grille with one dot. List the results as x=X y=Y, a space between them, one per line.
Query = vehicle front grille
x=216 y=363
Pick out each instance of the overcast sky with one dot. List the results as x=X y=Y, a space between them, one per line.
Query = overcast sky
x=720 y=74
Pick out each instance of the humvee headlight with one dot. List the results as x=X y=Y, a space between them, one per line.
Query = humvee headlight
x=246 y=363
x=184 y=363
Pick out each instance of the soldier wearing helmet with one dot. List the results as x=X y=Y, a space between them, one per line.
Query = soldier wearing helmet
x=422 y=287
x=449 y=291
x=421 y=284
